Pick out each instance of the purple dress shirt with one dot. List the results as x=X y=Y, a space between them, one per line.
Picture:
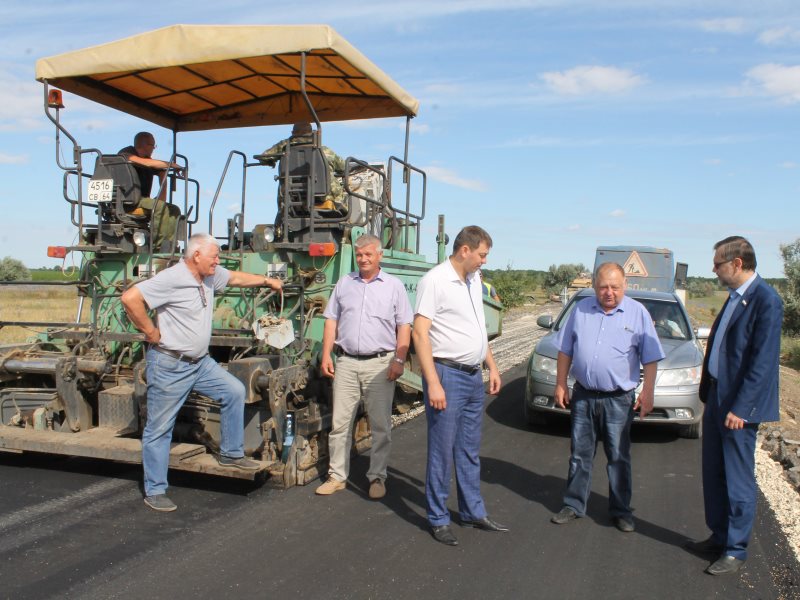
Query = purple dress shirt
x=368 y=313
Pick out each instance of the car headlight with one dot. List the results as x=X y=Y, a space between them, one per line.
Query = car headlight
x=674 y=377
x=544 y=364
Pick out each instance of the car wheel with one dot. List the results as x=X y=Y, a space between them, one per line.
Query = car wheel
x=692 y=432
x=533 y=417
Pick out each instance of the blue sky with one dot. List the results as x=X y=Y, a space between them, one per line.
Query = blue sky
x=557 y=125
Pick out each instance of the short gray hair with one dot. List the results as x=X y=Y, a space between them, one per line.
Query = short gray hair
x=367 y=240
x=197 y=242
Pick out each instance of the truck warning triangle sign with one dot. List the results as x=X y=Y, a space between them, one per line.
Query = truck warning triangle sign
x=634 y=266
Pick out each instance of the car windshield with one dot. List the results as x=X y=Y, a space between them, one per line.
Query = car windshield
x=668 y=318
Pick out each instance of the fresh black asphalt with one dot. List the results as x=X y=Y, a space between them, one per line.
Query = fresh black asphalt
x=75 y=528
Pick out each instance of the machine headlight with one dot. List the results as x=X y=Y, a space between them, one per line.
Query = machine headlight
x=544 y=364
x=139 y=238
x=269 y=234
x=675 y=377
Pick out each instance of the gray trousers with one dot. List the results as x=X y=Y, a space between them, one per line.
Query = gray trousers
x=354 y=380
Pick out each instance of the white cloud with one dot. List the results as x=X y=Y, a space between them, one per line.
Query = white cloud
x=789 y=164
x=617 y=213
x=724 y=25
x=13 y=159
x=713 y=161
x=574 y=227
x=20 y=104
x=780 y=81
x=451 y=178
x=588 y=79
x=779 y=36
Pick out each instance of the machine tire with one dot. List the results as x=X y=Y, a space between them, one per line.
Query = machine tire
x=691 y=432
x=534 y=418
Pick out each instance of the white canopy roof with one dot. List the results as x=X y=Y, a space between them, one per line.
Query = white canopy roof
x=199 y=77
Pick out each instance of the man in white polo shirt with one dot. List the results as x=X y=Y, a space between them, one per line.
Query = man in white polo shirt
x=451 y=343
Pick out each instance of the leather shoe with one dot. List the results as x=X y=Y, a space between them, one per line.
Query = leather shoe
x=486 y=524
x=725 y=565
x=565 y=515
x=707 y=546
x=624 y=524
x=444 y=535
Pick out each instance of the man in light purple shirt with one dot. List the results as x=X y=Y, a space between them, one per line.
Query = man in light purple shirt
x=604 y=341
x=369 y=319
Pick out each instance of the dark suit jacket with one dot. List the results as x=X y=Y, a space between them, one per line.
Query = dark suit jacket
x=748 y=361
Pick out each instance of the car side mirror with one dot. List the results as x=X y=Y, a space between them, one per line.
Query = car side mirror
x=545 y=321
x=702 y=333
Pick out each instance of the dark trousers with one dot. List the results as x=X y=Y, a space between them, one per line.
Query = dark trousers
x=729 y=481
x=454 y=438
x=608 y=417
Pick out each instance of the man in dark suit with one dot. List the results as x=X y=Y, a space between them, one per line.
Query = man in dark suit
x=740 y=389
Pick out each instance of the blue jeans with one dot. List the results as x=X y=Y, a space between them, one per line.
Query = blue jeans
x=169 y=382
x=454 y=437
x=608 y=418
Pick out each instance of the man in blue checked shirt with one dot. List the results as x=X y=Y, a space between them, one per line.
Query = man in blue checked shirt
x=604 y=341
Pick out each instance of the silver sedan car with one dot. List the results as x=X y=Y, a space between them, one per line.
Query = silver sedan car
x=677 y=383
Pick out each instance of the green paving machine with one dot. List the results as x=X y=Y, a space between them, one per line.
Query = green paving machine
x=78 y=389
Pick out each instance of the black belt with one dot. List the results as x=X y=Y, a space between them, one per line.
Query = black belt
x=181 y=357
x=603 y=393
x=470 y=369
x=340 y=352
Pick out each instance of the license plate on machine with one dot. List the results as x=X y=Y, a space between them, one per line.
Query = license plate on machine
x=101 y=190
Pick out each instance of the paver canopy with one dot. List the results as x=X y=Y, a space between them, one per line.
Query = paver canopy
x=200 y=77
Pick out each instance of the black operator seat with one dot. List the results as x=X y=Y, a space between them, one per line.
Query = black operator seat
x=300 y=162
x=127 y=194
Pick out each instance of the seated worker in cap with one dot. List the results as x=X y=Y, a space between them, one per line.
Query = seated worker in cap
x=165 y=216
x=301 y=134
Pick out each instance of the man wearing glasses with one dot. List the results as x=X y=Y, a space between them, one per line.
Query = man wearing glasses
x=740 y=389
x=178 y=360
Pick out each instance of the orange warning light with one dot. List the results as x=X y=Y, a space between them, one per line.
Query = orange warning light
x=56 y=251
x=54 y=99
x=322 y=249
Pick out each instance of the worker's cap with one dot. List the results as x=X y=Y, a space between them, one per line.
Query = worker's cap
x=301 y=129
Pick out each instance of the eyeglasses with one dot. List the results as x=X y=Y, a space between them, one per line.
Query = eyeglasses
x=203 y=295
x=717 y=265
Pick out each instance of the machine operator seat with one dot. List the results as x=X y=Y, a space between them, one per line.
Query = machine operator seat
x=308 y=177
x=127 y=195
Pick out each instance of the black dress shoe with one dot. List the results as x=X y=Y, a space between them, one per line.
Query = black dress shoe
x=706 y=546
x=725 y=565
x=443 y=535
x=485 y=523
x=624 y=524
x=565 y=515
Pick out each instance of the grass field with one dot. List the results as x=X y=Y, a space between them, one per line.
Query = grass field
x=35 y=303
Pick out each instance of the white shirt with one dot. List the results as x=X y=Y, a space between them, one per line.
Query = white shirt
x=458 y=325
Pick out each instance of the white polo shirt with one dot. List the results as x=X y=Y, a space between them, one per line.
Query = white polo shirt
x=458 y=325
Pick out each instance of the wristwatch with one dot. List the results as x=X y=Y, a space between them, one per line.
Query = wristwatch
x=398 y=360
